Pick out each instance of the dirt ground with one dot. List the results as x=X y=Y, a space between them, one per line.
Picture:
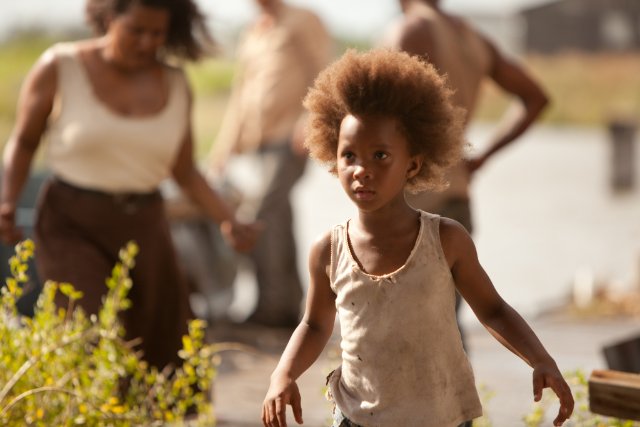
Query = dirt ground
x=575 y=343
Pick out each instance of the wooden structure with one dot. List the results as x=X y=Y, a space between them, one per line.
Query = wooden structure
x=615 y=394
x=623 y=157
x=623 y=355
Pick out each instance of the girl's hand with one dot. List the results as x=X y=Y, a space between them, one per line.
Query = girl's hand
x=241 y=237
x=548 y=375
x=282 y=392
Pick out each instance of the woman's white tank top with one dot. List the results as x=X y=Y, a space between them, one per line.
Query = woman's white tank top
x=93 y=146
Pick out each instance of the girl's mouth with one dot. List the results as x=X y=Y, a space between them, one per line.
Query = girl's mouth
x=364 y=194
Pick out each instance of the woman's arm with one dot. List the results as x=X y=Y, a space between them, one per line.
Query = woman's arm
x=500 y=319
x=241 y=237
x=307 y=341
x=34 y=107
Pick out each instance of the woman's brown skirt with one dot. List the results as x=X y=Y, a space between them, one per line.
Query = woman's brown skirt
x=78 y=235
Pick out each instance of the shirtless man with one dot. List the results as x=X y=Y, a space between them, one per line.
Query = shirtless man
x=467 y=58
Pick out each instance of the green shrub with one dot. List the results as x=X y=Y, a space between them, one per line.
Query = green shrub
x=64 y=368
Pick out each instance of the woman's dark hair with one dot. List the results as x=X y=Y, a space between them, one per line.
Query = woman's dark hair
x=188 y=36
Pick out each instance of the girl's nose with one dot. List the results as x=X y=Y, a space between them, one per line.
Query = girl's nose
x=149 y=43
x=361 y=172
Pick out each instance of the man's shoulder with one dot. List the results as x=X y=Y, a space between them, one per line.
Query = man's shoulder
x=302 y=19
x=409 y=33
x=419 y=23
x=427 y=26
x=300 y=12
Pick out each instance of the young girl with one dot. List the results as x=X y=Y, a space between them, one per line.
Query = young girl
x=383 y=122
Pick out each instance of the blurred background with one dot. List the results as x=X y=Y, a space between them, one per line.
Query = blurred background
x=558 y=214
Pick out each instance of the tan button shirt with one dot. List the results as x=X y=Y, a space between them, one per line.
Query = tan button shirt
x=277 y=63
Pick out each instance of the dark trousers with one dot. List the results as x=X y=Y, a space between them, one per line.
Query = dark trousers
x=78 y=235
x=274 y=257
x=458 y=209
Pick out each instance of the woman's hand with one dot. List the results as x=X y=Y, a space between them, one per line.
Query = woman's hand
x=241 y=237
x=282 y=392
x=9 y=233
x=546 y=375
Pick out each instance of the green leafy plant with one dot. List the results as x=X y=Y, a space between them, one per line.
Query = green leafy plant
x=64 y=368
x=582 y=416
x=486 y=394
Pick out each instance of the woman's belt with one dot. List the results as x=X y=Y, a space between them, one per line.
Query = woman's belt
x=128 y=201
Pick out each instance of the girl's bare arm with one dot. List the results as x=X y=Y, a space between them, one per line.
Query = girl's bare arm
x=307 y=341
x=500 y=319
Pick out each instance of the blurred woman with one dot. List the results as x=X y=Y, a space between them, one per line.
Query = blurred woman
x=117 y=120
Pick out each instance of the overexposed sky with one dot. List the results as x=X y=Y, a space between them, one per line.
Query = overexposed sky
x=351 y=18
x=363 y=17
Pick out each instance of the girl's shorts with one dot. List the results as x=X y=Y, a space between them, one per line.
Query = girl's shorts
x=339 y=420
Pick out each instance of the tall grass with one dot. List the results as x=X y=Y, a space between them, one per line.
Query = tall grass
x=585 y=89
x=211 y=77
x=16 y=58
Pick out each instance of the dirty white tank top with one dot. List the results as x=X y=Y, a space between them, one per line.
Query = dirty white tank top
x=402 y=358
x=93 y=146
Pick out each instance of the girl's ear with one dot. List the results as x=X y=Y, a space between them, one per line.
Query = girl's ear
x=414 y=166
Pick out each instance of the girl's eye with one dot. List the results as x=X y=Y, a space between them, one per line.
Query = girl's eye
x=348 y=155
x=381 y=155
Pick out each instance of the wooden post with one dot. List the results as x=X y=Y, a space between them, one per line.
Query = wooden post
x=624 y=355
x=615 y=394
x=622 y=134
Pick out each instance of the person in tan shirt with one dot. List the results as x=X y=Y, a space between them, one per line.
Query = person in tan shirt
x=279 y=56
x=467 y=59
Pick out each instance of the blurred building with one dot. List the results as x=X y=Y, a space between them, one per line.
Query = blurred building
x=504 y=27
x=553 y=26
x=582 y=25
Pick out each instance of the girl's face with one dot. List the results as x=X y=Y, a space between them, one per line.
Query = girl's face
x=374 y=162
x=136 y=36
